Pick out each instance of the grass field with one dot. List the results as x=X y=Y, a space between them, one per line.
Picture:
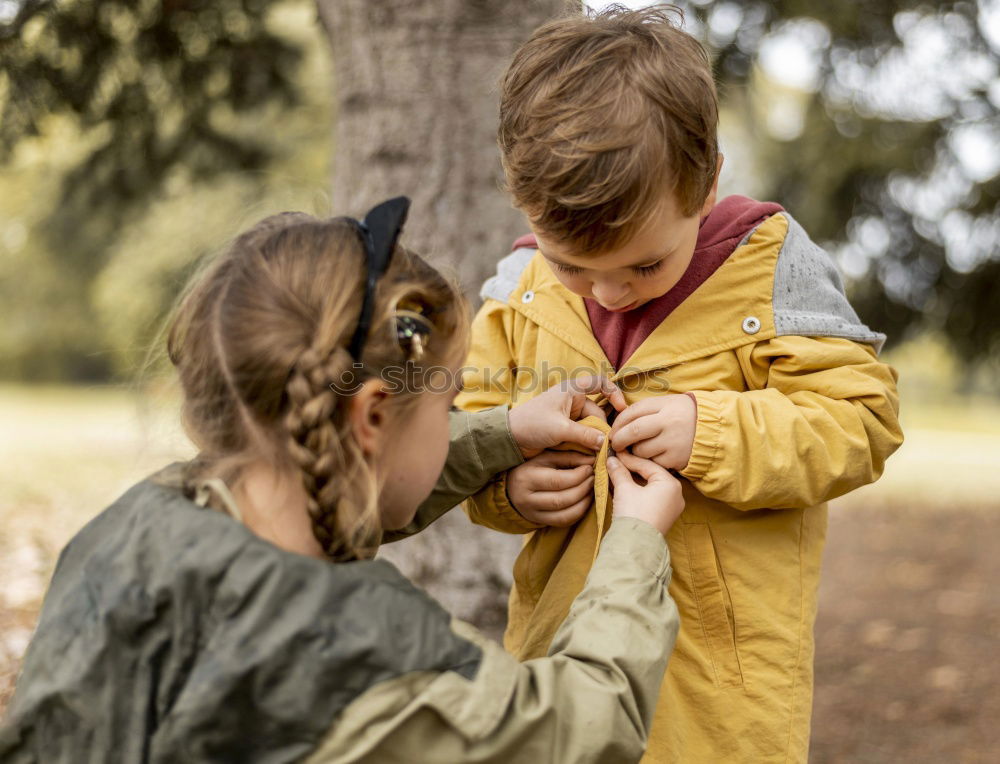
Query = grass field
x=65 y=453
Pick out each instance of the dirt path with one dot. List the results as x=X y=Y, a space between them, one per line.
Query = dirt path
x=907 y=638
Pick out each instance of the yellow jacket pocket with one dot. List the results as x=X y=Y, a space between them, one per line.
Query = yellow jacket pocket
x=714 y=606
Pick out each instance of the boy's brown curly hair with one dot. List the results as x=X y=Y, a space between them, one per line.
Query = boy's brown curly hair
x=601 y=116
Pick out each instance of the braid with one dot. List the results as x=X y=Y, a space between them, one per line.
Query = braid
x=258 y=342
x=318 y=443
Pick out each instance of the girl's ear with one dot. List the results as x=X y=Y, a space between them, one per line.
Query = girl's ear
x=368 y=415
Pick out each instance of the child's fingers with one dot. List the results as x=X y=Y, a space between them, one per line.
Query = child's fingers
x=648 y=449
x=589 y=408
x=598 y=383
x=574 y=432
x=562 y=459
x=564 y=518
x=641 y=428
x=614 y=395
x=636 y=410
x=555 y=500
x=619 y=474
x=648 y=469
x=558 y=480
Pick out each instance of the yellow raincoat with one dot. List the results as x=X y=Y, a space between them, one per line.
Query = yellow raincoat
x=794 y=409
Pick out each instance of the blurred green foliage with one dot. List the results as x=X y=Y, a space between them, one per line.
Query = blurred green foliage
x=137 y=136
x=876 y=171
x=153 y=83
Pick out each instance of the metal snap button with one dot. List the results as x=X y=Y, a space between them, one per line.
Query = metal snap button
x=751 y=324
x=528 y=296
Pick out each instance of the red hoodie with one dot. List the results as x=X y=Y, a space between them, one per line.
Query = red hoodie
x=721 y=231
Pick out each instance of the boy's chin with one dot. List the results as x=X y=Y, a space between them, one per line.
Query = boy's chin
x=628 y=307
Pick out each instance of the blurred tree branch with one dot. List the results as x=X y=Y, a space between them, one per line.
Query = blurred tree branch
x=157 y=85
x=165 y=87
x=854 y=156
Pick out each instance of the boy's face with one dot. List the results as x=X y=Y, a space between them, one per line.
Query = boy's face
x=642 y=269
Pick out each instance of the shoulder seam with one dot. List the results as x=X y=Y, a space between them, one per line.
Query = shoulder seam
x=502 y=284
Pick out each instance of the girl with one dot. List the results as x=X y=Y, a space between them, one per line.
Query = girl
x=316 y=360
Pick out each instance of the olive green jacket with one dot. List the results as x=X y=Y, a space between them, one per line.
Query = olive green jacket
x=172 y=633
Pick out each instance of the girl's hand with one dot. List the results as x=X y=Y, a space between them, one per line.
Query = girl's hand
x=659 y=502
x=553 y=488
x=549 y=419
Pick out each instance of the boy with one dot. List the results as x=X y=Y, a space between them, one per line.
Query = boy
x=746 y=369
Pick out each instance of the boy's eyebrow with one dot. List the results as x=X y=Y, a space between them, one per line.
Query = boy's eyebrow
x=557 y=261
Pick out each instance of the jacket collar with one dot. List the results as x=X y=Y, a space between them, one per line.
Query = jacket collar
x=543 y=300
x=731 y=308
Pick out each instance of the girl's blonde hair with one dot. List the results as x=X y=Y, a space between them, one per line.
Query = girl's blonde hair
x=260 y=342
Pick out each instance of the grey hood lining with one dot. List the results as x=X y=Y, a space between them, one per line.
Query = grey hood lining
x=808 y=297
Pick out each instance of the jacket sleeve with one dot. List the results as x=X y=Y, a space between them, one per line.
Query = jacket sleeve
x=823 y=423
x=591 y=700
x=480 y=447
x=489 y=379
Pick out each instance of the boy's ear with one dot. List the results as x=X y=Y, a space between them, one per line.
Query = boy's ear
x=368 y=415
x=713 y=194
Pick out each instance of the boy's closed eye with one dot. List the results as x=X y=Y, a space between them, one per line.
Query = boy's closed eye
x=648 y=270
x=640 y=270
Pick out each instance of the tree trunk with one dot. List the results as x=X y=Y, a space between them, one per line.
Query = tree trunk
x=416 y=94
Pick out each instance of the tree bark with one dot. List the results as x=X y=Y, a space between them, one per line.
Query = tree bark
x=416 y=94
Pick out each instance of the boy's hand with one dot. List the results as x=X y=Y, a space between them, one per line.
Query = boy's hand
x=553 y=488
x=660 y=428
x=658 y=501
x=548 y=419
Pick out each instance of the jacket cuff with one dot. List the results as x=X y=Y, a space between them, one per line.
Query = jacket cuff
x=707 y=436
x=493 y=441
x=491 y=508
x=507 y=511
x=637 y=542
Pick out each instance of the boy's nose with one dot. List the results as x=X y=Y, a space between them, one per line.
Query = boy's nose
x=610 y=295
